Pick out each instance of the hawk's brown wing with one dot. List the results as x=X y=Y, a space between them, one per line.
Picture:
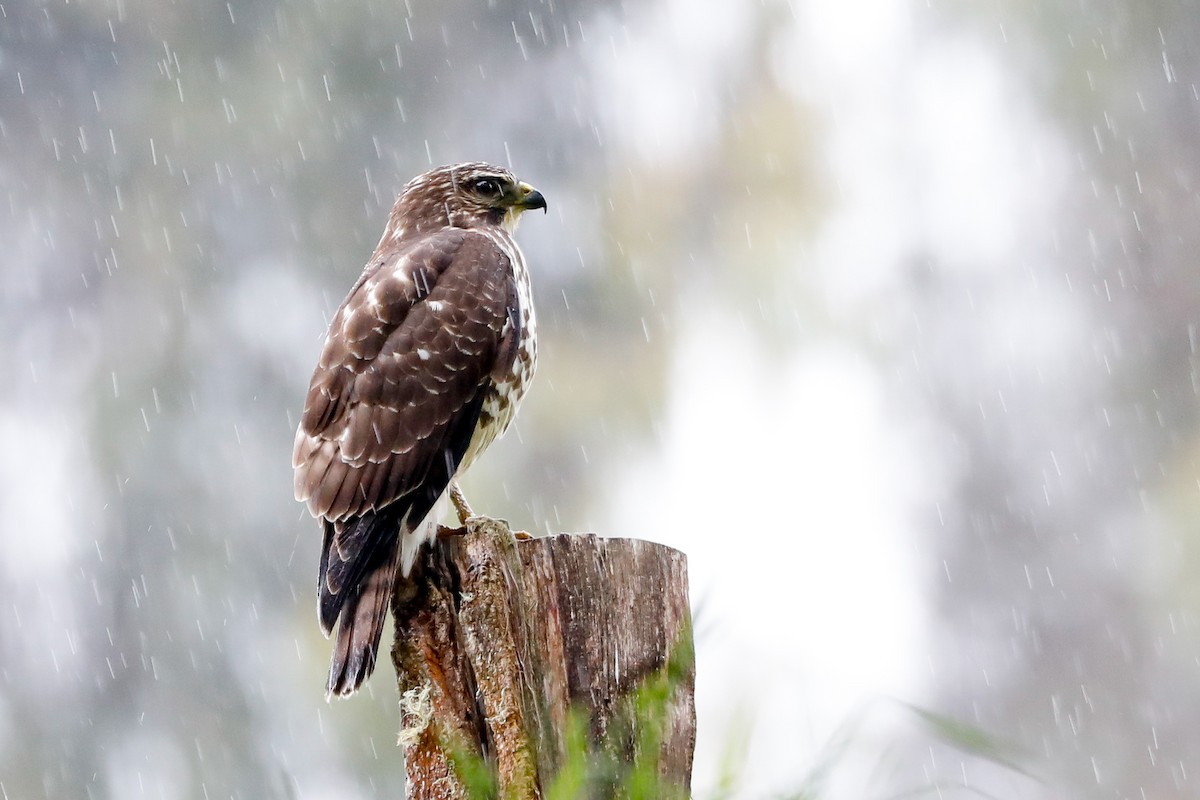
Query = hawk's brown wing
x=407 y=355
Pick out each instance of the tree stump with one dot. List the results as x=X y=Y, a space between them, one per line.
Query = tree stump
x=550 y=666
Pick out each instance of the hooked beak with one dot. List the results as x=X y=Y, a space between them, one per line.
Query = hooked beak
x=529 y=198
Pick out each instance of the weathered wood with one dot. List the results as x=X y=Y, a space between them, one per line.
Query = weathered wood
x=498 y=639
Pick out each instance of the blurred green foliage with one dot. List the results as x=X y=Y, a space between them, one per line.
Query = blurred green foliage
x=625 y=763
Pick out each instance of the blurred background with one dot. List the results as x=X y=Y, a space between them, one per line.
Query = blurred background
x=884 y=312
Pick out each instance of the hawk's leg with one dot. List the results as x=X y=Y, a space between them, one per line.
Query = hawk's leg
x=460 y=503
x=464 y=512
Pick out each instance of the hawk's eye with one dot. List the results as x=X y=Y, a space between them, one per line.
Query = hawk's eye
x=487 y=187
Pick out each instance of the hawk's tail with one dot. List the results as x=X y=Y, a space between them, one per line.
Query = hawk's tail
x=361 y=560
x=360 y=625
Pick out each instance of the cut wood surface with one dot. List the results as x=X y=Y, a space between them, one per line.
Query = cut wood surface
x=498 y=639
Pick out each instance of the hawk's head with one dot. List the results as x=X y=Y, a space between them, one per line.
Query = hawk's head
x=463 y=196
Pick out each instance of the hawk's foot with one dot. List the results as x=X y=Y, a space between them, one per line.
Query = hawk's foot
x=444 y=532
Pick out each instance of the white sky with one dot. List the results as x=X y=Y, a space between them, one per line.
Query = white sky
x=798 y=553
x=802 y=522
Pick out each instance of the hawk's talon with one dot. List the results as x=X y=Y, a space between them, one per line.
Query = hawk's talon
x=446 y=532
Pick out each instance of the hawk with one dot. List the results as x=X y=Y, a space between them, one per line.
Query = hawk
x=422 y=368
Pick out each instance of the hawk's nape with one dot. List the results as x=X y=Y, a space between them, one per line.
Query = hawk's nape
x=423 y=366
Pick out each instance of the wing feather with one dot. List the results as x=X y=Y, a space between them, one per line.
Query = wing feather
x=409 y=351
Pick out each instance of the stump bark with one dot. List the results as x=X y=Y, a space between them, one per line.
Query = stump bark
x=564 y=658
